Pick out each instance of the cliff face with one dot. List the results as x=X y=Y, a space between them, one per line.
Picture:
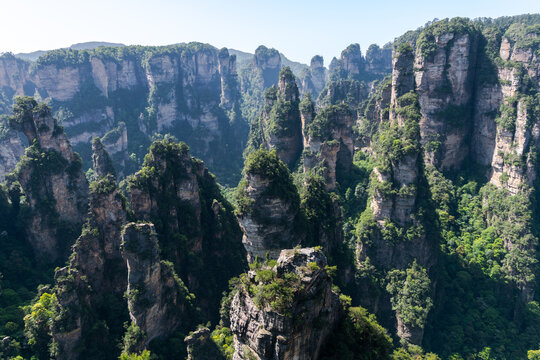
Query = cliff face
x=506 y=122
x=376 y=111
x=51 y=177
x=268 y=62
x=266 y=332
x=461 y=97
x=196 y=228
x=156 y=297
x=378 y=60
x=353 y=65
x=400 y=170
x=95 y=279
x=190 y=91
x=313 y=79
x=444 y=80
x=328 y=140
x=392 y=235
x=13 y=74
x=279 y=126
x=11 y=150
x=268 y=206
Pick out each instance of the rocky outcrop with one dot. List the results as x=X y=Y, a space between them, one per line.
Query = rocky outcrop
x=156 y=297
x=353 y=65
x=11 y=150
x=379 y=60
x=192 y=219
x=201 y=347
x=269 y=206
x=375 y=113
x=52 y=180
x=229 y=82
x=392 y=235
x=313 y=79
x=444 y=80
x=352 y=61
x=190 y=91
x=347 y=91
x=402 y=75
x=287 y=331
x=14 y=75
x=96 y=276
x=268 y=62
x=328 y=141
x=279 y=126
x=101 y=161
x=171 y=194
x=506 y=125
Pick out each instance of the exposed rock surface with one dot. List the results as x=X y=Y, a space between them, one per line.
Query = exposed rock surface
x=279 y=126
x=378 y=60
x=156 y=297
x=343 y=90
x=193 y=220
x=13 y=75
x=444 y=84
x=101 y=161
x=188 y=90
x=353 y=65
x=375 y=113
x=95 y=279
x=271 y=208
x=393 y=204
x=264 y=333
x=328 y=140
x=11 y=150
x=507 y=128
x=268 y=61
x=51 y=177
x=403 y=172
x=313 y=79
x=352 y=60
x=201 y=347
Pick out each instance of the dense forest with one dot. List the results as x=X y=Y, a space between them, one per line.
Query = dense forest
x=159 y=203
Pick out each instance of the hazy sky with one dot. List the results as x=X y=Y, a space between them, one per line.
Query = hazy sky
x=298 y=28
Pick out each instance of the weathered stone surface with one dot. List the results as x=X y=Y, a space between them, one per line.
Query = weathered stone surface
x=507 y=149
x=201 y=347
x=96 y=272
x=378 y=60
x=59 y=180
x=270 y=227
x=330 y=144
x=267 y=334
x=313 y=80
x=268 y=61
x=178 y=194
x=101 y=160
x=445 y=87
x=11 y=150
x=190 y=86
x=156 y=298
x=95 y=275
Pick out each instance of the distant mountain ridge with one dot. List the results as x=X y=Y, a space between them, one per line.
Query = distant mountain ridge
x=34 y=55
x=243 y=58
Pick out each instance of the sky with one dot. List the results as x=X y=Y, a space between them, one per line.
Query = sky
x=297 y=28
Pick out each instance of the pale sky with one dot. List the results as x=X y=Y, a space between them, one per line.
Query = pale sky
x=297 y=28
